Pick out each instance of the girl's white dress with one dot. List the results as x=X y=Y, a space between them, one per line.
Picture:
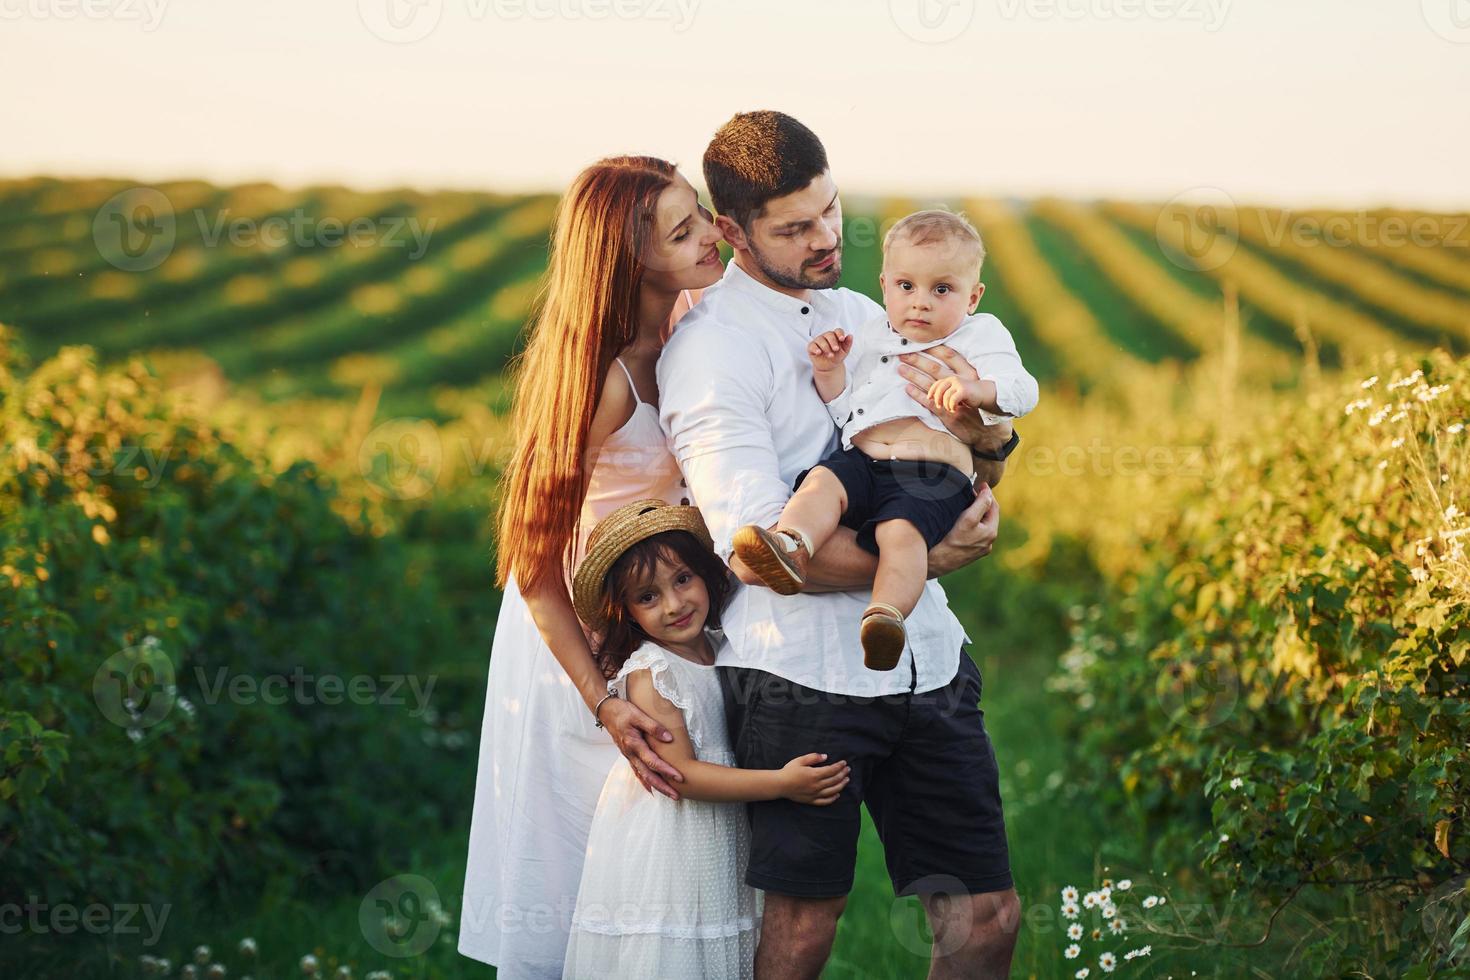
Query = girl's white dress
x=542 y=758
x=663 y=890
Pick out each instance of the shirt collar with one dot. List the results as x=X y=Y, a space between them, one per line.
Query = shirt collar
x=798 y=311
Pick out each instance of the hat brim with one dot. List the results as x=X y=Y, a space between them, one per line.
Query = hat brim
x=615 y=534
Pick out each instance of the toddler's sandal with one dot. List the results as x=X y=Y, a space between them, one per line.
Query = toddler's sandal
x=883 y=636
x=762 y=553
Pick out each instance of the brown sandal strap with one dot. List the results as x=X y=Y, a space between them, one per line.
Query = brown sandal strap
x=882 y=607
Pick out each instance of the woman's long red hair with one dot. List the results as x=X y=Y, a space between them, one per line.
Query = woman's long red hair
x=589 y=315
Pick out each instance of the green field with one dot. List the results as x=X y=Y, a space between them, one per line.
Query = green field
x=305 y=340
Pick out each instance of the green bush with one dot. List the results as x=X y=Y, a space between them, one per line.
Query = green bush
x=164 y=595
x=1281 y=693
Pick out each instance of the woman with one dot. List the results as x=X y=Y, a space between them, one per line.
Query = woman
x=631 y=240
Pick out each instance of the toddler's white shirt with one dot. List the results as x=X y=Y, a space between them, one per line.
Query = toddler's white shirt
x=876 y=392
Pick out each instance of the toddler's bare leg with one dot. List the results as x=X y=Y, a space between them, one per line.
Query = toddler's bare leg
x=817 y=507
x=780 y=560
x=903 y=565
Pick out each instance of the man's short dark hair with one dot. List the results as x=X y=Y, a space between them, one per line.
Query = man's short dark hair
x=759 y=156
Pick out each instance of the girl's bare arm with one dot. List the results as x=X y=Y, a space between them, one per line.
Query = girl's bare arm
x=726 y=784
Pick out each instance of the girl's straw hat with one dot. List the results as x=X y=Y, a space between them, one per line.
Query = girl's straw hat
x=615 y=534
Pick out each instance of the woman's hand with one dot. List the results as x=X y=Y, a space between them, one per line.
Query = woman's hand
x=630 y=729
x=803 y=781
x=972 y=536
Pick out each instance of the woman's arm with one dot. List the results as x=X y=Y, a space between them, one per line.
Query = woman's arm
x=726 y=784
x=551 y=609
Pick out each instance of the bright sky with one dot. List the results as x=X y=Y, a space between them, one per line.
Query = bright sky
x=1345 y=102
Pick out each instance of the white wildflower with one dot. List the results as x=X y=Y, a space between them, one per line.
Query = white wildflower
x=247 y=947
x=1074 y=931
x=1069 y=895
x=1450 y=513
x=1082 y=973
x=1070 y=910
x=1109 y=910
x=1383 y=464
x=1419 y=574
x=1072 y=952
x=1151 y=901
x=1397 y=442
x=1455 y=429
x=1117 y=926
x=1108 y=962
x=309 y=965
x=1125 y=884
x=1237 y=783
x=1370 y=382
x=1090 y=900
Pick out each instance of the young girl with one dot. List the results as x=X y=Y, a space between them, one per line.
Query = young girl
x=663 y=890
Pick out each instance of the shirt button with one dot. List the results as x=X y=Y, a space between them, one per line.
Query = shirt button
x=860 y=411
x=884 y=358
x=904 y=341
x=806 y=309
x=683 y=500
x=683 y=484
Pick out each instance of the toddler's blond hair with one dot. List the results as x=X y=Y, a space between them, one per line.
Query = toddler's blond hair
x=937 y=226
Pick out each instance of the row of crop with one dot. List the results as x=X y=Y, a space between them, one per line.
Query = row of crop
x=247 y=300
x=89 y=300
x=1131 y=326
x=1365 y=277
x=1180 y=229
x=388 y=320
x=1153 y=289
x=1060 y=320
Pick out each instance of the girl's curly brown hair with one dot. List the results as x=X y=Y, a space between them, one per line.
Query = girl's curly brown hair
x=623 y=635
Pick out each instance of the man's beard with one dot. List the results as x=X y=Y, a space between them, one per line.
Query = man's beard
x=804 y=277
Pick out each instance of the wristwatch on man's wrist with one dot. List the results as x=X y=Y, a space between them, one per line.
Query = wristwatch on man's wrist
x=1000 y=454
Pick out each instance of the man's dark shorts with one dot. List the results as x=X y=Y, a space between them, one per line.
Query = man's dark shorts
x=928 y=494
x=922 y=763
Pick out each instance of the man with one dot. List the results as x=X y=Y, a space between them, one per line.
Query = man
x=743 y=419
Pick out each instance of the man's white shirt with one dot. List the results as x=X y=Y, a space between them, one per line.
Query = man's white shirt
x=876 y=392
x=743 y=419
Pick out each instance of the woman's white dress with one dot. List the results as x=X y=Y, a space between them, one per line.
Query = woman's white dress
x=542 y=760
x=663 y=889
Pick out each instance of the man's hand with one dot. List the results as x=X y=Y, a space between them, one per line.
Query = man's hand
x=929 y=366
x=924 y=371
x=828 y=350
x=971 y=538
